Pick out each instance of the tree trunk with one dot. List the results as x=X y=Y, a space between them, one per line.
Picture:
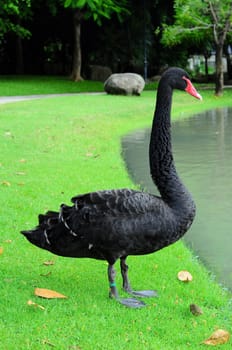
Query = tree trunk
x=19 y=53
x=19 y=56
x=219 y=70
x=206 y=67
x=76 y=65
x=229 y=63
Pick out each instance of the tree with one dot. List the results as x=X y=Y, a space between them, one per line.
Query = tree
x=82 y=10
x=12 y=12
x=201 y=21
x=129 y=47
x=12 y=15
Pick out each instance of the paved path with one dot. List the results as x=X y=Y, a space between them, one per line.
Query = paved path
x=9 y=99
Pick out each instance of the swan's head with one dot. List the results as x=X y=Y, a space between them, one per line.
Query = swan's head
x=179 y=79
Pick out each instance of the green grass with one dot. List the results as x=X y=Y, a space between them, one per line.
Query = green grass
x=51 y=150
x=11 y=85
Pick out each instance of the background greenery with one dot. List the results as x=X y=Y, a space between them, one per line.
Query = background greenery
x=51 y=150
x=38 y=36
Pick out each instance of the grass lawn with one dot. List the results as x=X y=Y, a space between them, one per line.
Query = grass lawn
x=11 y=85
x=51 y=150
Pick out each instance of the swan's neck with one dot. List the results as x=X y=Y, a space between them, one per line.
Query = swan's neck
x=162 y=166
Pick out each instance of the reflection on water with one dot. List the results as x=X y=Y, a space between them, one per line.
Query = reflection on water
x=202 y=147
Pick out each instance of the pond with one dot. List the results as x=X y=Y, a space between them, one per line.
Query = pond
x=202 y=147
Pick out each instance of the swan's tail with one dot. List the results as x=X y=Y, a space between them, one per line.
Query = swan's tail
x=39 y=235
x=62 y=233
x=51 y=226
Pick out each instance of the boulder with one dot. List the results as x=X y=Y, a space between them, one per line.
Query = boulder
x=124 y=84
x=99 y=73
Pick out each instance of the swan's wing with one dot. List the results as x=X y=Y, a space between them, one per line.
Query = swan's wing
x=119 y=221
x=103 y=225
x=115 y=202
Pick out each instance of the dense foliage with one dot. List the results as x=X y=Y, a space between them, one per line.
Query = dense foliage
x=118 y=34
x=201 y=22
x=12 y=14
x=68 y=37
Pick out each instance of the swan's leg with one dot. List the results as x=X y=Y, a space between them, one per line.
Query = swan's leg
x=129 y=302
x=111 y=276
x=124 y=271
x=126 y=283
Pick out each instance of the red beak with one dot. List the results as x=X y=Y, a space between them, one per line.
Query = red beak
x=190 y=89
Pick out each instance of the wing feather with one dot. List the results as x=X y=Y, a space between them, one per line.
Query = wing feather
x=116 y=202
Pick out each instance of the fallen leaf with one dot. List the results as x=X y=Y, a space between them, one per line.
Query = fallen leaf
x=22 y=160
x=48 y=263
x=184 y=276
x=8 y=241
x=8 y=134
x=31 y=303
x=47 y=342
x=20 y=173
x=218 y=337
x=46 y=274
x=48 y=294
x=1 y=250
x=195 y=310
x=5 y=183
x=89 y=154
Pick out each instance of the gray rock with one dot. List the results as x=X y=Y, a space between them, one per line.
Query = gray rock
x=99 y=73
x=124 y=84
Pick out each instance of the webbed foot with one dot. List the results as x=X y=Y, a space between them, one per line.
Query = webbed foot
x=132 y=303
x=144 y=293
x=129 y=302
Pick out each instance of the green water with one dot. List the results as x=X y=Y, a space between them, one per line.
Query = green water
x=202 y=147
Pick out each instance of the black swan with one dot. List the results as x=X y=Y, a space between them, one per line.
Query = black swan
x=112 y=224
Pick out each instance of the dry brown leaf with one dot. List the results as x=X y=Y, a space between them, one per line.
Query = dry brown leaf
x=8 y=241
x=46 y=274
x=31 y=303
x=184 y=276
x=1 y=250
x=20 y=173
x=48 y=263
x=48 y=294
x=47 y=342
x=8 y=134
x=6 y=183
x=218 y=337
x=89 y=154
x=195 y=310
